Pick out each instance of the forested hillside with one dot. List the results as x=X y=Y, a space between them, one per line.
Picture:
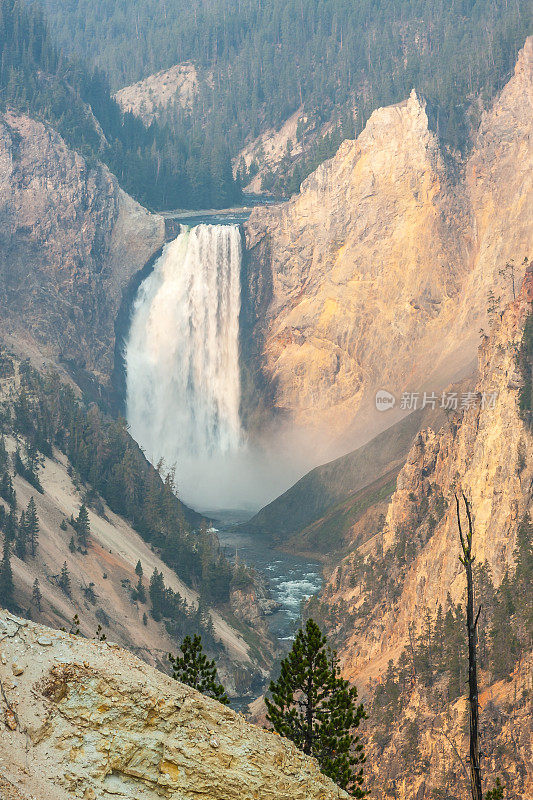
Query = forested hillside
x=47 y=415
x=260 y=61
x=157 y=165
x=94 y=538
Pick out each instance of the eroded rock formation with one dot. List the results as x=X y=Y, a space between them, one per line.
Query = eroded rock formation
x=71 y=240
x=486 y=451
x=84 y=719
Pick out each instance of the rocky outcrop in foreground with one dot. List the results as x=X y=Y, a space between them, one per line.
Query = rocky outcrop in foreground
x=85 y=719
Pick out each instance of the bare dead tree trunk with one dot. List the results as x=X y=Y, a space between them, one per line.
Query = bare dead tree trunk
x=411 y=643
x=467 y=560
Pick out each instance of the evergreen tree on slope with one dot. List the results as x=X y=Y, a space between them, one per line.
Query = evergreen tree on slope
x=6 y=577
x=83 y=526
x=315 y=708
x=195 y=669
x=32 y=526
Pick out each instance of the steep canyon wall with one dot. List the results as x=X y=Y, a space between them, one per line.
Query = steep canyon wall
x=376 y=275
x=71 y=240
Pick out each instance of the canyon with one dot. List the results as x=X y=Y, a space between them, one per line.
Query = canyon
x=484 y=451
x=103 y=574
x=374 y=276
x=72 y=240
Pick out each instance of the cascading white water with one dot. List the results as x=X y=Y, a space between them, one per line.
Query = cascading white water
x=182 y=356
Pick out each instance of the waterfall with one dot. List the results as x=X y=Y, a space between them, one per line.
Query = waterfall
x=182 y=355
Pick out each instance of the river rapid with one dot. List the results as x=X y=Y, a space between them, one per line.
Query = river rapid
x=291 y=579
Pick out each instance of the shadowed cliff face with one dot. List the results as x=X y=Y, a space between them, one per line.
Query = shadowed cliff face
x=71 y=240
x=380 y=267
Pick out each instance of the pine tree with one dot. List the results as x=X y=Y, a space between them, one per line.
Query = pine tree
x=316 y=709
x=11 y=525
x=139 y=569
x=194 y=669
x=100 y=635
x=523 y=556
x=6 y=489
x=34 y=461
x=83 y=526
x=504 y=643
x=7 y=587
x=496 y=793
x=3 y=454
x=36 y=597
x=493 y=306
x=29 y=470
x=74 y=626
x=21 y=539
x=23 y=414
x=90 y=594
x=64 y=579
x=157 y=594
x=32 y=526
x=72 y=545
x=140 y=591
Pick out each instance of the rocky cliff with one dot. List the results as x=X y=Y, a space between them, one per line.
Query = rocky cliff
x=387 y=591
x=485 y=452
x=84 y=719
x=71 y=240
x=148 y=98
x=376 y=275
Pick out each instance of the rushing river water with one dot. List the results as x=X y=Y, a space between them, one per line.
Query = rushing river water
x=182 y=359
x=292 y=579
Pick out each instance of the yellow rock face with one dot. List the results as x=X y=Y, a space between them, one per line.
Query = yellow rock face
x=376 y=274
x=92 y=721
x=485 y=452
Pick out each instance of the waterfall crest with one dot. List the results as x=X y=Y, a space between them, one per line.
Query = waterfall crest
x=182 y=355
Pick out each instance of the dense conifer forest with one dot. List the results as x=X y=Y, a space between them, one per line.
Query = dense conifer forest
x=259 y=61
x=159 y=166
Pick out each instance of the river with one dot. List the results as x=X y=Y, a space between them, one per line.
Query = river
x=292 y=579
